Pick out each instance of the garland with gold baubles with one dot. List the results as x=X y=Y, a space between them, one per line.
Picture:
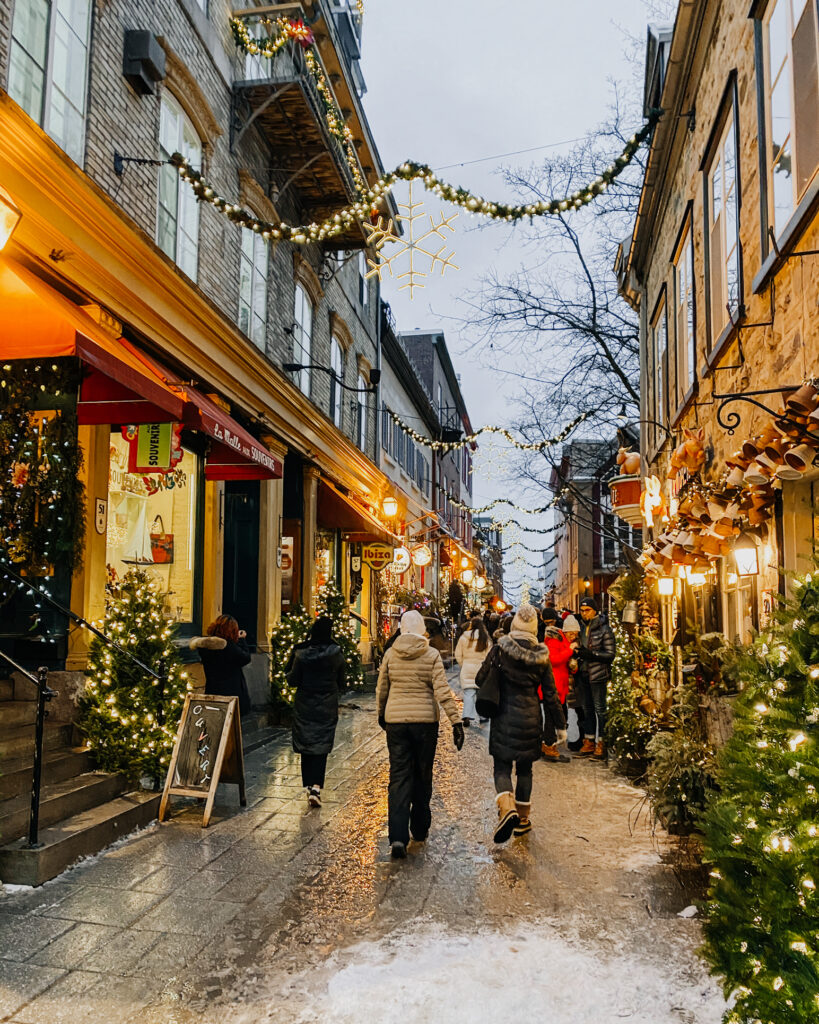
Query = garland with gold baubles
x=42 y=506
x=365 y=206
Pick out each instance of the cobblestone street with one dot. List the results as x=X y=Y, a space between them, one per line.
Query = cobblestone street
x=274 y=906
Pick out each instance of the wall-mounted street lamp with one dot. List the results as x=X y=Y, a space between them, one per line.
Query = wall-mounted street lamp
x=389 y=506
x=745 y=556
x=480 y=582
x=665 y=585
x=586 y=583
x=375 y=376
x=10 y=217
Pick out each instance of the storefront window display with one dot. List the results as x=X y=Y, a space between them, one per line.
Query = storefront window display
x=152 y=523
x=741 y=607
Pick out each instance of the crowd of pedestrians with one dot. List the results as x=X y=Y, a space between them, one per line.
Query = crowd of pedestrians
x=524 y=673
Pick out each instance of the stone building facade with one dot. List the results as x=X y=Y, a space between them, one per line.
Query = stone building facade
x=722 y=268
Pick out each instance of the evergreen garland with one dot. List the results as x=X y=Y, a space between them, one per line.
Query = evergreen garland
x=761 y=831
x=42 y=506
x=129 y=718
x=289 y=631
x=331 y=602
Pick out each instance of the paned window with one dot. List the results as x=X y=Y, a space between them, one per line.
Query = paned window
x=792 y=104
x=337 y=366
x=178 y=220
x=302 y=337
x=362 y=412
x=659 y=337
x=686 y=342
x=253 y=287
x=48 y=67
x=722 y=225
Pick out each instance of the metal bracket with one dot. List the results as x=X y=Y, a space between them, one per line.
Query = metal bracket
x=120 y=161
x=791 y=255
x=740 y=327
x=259 y=110
x=730 y=421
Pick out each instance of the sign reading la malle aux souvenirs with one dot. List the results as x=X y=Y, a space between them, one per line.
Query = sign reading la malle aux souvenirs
x=208 y=750
x=378 y=556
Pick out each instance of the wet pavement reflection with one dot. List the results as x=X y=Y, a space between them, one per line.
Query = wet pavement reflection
x=177 y=924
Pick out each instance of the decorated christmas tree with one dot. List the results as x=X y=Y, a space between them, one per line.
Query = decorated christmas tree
x=332 y=602
x=630 y=721
x=762 y=829
x=291 y=630
x=128 y=717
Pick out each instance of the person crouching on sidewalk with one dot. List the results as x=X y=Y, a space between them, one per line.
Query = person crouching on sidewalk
x=470 y=652
x=517 y=731
x=411 y=684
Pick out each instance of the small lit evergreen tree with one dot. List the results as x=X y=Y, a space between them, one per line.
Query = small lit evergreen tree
x=331 y=602
x=762 y=828
x=289 y=631
x=629 y=727
x=130 y=719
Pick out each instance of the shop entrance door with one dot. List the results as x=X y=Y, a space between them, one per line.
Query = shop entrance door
x=240 y=596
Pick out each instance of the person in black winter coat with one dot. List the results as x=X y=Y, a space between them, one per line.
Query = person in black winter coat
x=317 y=673
x=224 y=654
x=516 y=733
x=595 y=654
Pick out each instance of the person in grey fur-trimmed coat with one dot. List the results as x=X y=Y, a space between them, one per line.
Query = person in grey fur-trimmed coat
x=516 y=732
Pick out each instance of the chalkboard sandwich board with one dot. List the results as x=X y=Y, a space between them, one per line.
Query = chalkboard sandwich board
x=208 y=750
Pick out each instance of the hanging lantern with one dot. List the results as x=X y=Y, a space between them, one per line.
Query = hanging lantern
x=467 y=576
x=421 y=555
x=480 y=582
x=464 y=562
x=665 y=585
x=389 y=506
x=745 y=556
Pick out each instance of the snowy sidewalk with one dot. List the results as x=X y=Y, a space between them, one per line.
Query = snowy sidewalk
x=283 y=915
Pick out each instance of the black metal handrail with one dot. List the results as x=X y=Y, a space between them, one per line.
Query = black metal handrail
x=44 y=694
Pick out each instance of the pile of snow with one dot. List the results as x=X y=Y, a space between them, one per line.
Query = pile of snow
x=429 y=974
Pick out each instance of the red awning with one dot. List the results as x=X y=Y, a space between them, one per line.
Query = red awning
x=37 y=322
x=235 y=454
x=339 y=511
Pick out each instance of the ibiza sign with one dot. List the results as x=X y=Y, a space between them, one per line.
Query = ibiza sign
x=378 y=556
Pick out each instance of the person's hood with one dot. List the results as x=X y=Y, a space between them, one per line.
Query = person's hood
x=208 y=643
x=536 y=654
x=554 y=633
x=410 y=646
x=316 y=652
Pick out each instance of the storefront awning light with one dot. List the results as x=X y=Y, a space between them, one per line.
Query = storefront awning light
x=464 y=562
x=665 y=585
x=9 y=218
x=467 y=576
x=745 y=556
x=480 y=582
x=389 y=506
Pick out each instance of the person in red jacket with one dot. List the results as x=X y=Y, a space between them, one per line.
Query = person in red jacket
x=560 y=654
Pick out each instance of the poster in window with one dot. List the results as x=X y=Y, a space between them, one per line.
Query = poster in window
x=287 y=570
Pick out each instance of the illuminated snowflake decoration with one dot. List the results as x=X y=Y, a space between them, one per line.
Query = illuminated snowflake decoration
x=416 y=246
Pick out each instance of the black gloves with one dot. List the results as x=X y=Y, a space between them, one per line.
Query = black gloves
x=584 y=654
x=382 y=721
x=458 y=735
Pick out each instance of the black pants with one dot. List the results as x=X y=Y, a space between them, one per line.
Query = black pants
x=313 y=767
x=412 y=753
x=523 y=783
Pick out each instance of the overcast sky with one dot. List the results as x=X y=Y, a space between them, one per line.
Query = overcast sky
x=451 y=82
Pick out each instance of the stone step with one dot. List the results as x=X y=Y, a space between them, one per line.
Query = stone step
x=58 y=801
x=57 y=766
x=17 y=712
x=18 y=741
x=79 y=836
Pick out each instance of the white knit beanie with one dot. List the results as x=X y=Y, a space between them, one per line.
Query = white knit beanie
x=525 y=620
x=571 y=625
x=413 y=622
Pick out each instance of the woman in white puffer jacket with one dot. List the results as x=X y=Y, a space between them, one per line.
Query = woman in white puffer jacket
x=471 y=650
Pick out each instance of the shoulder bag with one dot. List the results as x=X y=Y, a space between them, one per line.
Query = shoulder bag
x=487 y=701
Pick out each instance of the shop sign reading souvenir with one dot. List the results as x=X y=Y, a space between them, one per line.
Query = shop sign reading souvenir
x=153 y=447
x=378 y=556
